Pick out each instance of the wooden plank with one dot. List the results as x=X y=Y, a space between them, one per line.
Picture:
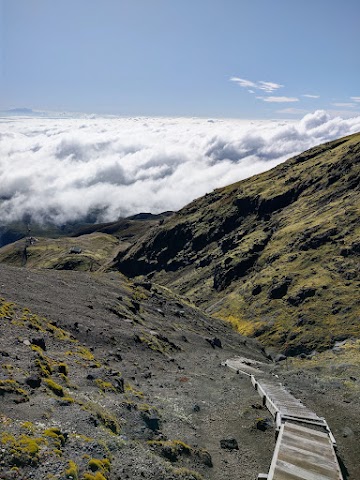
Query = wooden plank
x=279 y=399
x=310 y=448
x=299 y=428
x=302 y=453
x=321 y=422
x=287 y=471
x=276 y=453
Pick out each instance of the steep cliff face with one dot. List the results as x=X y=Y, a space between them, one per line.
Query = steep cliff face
x=276 y=254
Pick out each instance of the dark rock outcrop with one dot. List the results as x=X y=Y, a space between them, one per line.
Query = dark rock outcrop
x=279 y=289
x=229 y=444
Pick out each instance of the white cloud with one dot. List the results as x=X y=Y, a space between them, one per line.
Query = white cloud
x=307 y=95
x=65 y=169
x=267 y=87
x=243 y=82
x=344 y=104
x=279 y=99
x=355 y=99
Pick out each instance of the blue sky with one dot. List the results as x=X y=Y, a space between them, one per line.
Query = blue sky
x=181 y=58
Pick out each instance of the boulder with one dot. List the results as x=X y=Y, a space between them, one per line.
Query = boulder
x=34 y=381
x=204 y=457
x=214 y=342
x=264 y=424
x=151 y=421
x=302 y=295
x=279 y=289
x=229 y=444
x=39 y=342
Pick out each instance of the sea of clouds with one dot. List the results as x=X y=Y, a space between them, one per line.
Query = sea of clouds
x=66 y=169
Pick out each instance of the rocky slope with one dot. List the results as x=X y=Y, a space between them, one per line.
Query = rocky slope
x=102 y=378
x=276 y=255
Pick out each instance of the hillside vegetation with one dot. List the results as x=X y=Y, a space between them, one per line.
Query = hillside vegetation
x=81 y=247
x=276 y=255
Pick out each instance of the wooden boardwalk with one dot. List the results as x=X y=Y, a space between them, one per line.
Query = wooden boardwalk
x=303 y=453
x=284 y=406
x=305 y=446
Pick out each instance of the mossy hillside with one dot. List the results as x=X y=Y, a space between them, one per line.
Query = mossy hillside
x=276 y=254
x=95 y=250
x=54 y=242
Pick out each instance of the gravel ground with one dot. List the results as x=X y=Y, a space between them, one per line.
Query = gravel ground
x=162 y=347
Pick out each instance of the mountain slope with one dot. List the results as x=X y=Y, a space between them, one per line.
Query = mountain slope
x=276 y=254
x=103 y=376
x=82 y=247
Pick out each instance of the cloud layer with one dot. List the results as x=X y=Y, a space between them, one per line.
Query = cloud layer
x=63 y=170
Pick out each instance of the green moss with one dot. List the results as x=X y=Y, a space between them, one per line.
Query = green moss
x=69 y=400
x=85 y=353
x=93 y=476
x=130 y=389
x=24 y=450
x=139 y=294
x=108 y=420
x=9 y=386
x=105 y=386
x=82 y=437
x=54 y=387
x=56 y=434
x=7 y=309
x=144 y=407
x=154 y=343
x=171 y=449
x=43 y=367
x=72 y=471
x=59 y=333
x=8 y=367
x=102 y=465
x=28 y=426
